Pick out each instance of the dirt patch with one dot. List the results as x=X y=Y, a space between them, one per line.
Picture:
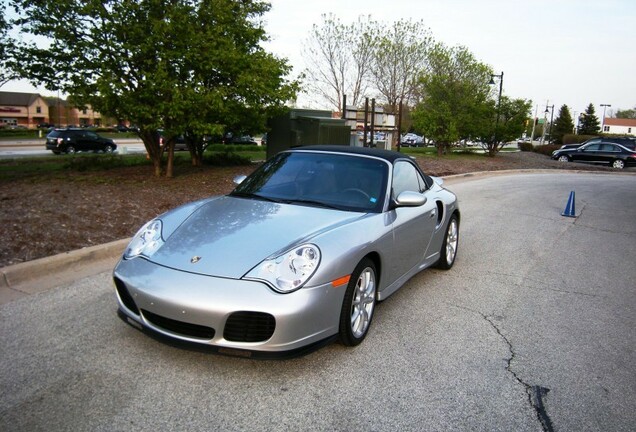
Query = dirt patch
x=42 y=216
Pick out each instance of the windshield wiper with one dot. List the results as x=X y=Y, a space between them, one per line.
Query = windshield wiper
x=254 y=196
x=312 y=203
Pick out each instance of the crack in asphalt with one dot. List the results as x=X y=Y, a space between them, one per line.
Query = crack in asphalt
x=536 y=394
x=540 y=285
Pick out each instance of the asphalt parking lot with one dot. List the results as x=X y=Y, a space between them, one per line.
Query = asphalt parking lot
x=533 y=329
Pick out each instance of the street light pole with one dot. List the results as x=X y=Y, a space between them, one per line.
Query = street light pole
x=492 y=82
x=551 y=118
x=603 y=122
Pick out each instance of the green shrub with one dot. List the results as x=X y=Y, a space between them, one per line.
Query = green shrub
x=225 y=159
x=546 y=149
x=526 y=146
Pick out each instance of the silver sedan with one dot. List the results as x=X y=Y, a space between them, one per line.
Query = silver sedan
x=296 y=256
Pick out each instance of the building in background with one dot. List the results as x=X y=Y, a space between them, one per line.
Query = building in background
x=618 y=126
x=23 y=109
x=30 y=110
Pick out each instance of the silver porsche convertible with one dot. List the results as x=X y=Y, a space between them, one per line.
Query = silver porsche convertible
x=296 y=256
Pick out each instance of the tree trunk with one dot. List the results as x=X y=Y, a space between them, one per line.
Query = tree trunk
x=153 y=150
x=156 y=163
x=170 y=166
x=440 y=149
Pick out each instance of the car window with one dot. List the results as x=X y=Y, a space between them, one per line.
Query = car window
x=593 y=147
x=609 y=148
x=406 y=178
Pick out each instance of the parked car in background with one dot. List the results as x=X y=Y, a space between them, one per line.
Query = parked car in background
x=179 y=144
x=412 y=140
x=309 y=269
x=230 y=138
x=598 y=151
x=71 y=140
x=627 y=142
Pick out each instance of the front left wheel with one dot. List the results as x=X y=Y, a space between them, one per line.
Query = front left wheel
x=359 y=303
x=448 y=252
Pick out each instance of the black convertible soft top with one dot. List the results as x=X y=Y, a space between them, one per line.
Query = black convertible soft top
x=389 y=155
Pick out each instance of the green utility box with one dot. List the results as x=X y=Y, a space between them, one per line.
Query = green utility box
x=302 y=127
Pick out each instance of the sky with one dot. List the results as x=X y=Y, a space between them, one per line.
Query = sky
x=553 y=52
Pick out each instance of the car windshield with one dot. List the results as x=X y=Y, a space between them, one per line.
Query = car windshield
x=344 y=182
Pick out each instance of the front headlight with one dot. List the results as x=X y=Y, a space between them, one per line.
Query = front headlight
x=147 y=240
x=291 y=270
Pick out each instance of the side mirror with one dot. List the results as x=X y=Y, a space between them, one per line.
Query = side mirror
x=410 y=199
x=239 y=179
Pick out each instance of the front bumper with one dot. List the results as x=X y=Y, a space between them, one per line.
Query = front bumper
x=230 y=316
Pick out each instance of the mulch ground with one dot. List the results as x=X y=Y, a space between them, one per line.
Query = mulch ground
x=43 y=215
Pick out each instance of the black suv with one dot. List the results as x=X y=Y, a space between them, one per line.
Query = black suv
x=71 y=140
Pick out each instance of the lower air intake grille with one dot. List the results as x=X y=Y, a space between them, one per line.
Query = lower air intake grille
x=125 y=296
x=249 y=327
x=179 y=327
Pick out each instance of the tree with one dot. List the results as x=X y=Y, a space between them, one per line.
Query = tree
x=400 y=56
x=513 y=114
x=455 y=102
x=189 y=67
x=589 y=123
x=338 y=58
x=563 y=125
x=458 y=103
x=626 y=114
x=8 y=65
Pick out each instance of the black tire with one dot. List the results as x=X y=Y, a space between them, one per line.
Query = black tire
x=108 y=148
x=448 y=252
x=70 y=150
x=563 y=158
x=358 y=304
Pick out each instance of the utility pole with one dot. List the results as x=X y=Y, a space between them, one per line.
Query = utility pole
x=603 y=122
x=534 y=123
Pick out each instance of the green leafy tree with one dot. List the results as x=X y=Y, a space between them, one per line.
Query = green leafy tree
x=190 y=67
x=513 y=114
x=589 y=123
x=458 y=103
x=455 y=101
x=8 y=65
x=626 y=114
x=563 y=125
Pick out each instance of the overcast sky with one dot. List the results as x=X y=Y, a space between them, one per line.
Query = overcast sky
x=572 y=52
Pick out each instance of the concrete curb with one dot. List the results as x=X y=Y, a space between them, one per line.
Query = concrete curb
x=42 y=274
x=481 y=174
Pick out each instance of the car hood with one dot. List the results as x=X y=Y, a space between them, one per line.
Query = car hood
x=228 y=236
